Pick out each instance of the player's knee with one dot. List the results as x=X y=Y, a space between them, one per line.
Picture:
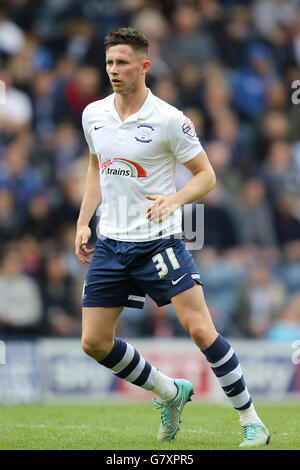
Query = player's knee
x=96 y=349
x=198 y=333
x=203 y=334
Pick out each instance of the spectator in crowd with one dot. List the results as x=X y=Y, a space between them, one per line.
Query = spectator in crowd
x=234 y=36
x=289 y=267
x=9 y=226
x=239 y=140
x=260 y=301
x=222 y=277
x=71 y=188
x=21 y=303
x=250 y=82
x=190 y=86
x=11 y=36
x=229 y=175
x=61 y=313
x=160 y=69
x=272 y=126
x=65 y=69
x=278 y=171
x=267 y=14
x=287 y=326
x=43 y=104
x=277 y=98
x=217 y=96
x=165 y=88
x=279 y=41
x=17 y=174
x=16 y=114
x=85 y=88
x=253 y=215
x=22 y=11
x=65 y=239
x=295 y=38
x=39 y=221
x=155 y=26
x=31 y=251
x=286 y=221
x=219 y=226
x=189 y=42
x=33 y=57
x=81 y=42
x=152 y=22
x=66 y=149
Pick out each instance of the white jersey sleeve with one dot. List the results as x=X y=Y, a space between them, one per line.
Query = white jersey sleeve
x=87 y=127
x=182 y=137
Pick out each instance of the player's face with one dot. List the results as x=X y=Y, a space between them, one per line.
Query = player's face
x=126 y=68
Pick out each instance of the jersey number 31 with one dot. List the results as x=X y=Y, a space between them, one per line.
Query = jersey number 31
x=162 y=268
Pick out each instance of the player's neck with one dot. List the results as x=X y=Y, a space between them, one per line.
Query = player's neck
x=129 y=104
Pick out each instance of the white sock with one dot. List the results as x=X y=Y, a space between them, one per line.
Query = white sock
x=164 y=387
x=249 y=415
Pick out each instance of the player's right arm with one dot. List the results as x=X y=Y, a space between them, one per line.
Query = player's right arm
x=90 y=201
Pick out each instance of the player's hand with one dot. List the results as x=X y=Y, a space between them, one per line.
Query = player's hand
x=82 y=237
x=161 y=208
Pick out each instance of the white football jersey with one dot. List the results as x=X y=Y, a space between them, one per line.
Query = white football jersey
x=137 y=157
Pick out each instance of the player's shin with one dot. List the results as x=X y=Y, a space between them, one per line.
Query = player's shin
x=126 y=362
x=225 y=365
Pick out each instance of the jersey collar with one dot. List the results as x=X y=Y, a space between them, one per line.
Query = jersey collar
x=143 y=113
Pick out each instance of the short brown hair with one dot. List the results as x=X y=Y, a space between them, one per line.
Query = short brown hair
x=129 y=36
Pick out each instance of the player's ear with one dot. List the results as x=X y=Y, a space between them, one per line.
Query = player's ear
x=146 y=65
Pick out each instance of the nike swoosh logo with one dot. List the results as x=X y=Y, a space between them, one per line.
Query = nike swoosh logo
x=99 y=127
x=229 y=391
x=177 y=280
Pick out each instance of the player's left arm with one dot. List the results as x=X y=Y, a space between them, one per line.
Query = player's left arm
x=203 y=181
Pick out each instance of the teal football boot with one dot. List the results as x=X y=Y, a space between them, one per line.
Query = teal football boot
x=255 y=434
x=171 y=411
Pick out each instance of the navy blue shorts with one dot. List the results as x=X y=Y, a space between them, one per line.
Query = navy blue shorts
x=122 y=273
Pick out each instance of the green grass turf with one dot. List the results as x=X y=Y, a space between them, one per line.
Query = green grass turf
x=134 y=426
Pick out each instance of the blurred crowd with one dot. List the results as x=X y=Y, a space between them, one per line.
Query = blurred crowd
x=230 y=66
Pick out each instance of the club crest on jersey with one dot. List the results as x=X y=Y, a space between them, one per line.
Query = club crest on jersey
x=144 y=132
x=188 y=128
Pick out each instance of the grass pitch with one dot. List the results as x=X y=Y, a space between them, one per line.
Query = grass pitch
x=134 y=427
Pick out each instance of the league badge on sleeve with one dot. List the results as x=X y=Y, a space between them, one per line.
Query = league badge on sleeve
x=144 y=132
x=188 y=128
